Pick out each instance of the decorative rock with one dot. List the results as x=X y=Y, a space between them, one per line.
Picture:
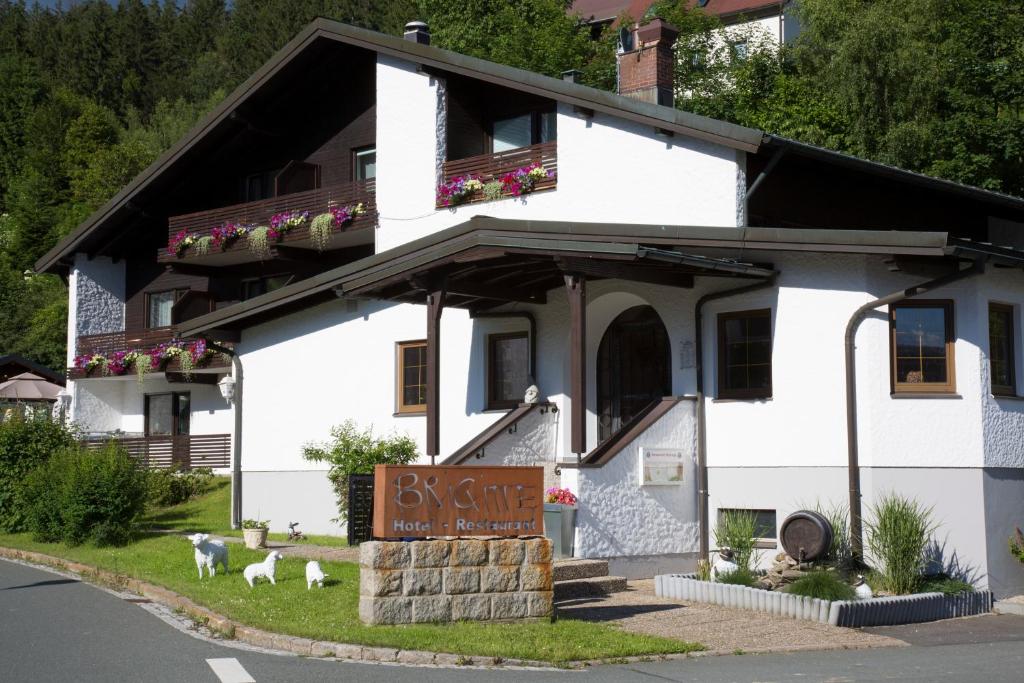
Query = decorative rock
x=538 y=551
x=499 y=579
x=509 y=606
x=540 y=604
x=471 y=607
x=468 y=553
x=422 y=581
x=793 y=574
x=380 y=583
x=458 y=580
x=507 y=553
x=536 y=577
x=435 y=609
x=385 y=610
x=430 y=553
x=384 y=555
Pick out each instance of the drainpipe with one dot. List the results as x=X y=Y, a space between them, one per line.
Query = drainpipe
x=702 y=447
x=530 y=319
x=236 y=436
x=853 y=456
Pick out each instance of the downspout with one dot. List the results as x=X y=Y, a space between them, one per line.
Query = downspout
x=702 y=448
x=530 y=319
x=853 y=456
x=236 y=435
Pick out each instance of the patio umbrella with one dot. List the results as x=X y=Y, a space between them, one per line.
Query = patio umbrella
x=29 y=387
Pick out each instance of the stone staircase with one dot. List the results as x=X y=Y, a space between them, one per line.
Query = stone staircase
x=584 y=579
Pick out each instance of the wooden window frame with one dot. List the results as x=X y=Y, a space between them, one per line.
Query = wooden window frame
x=744 y=394
x=355 y=162
x=400 y=407
x=535 y=125
x=998 y=389
x=492 y=403
x=947 y=387
x=174 y=411
x=178 y=293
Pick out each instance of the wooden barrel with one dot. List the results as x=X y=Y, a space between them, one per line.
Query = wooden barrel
x=806 y=535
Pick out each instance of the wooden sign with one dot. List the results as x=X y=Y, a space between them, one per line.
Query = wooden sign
x=425 y=501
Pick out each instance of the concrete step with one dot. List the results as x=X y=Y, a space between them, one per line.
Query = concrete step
x=589 y=587
x=566 y=570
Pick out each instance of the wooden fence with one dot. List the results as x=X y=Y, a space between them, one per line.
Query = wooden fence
x=186 y=452
x=492 y=166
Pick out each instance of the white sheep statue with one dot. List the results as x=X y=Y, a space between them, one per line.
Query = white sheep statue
x=265 y=568
x=314 y=574
x=209 y=554
x=723 y=563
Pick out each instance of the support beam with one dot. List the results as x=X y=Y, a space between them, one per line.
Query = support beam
x=576 y=288
x=655 y=274
x=435 y=306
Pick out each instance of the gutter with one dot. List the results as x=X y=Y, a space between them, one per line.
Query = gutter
x=702 y=447
x=853 y=457
x=236 y=435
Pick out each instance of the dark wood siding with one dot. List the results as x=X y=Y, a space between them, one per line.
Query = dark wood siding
x=335 y=156
x=142 y=278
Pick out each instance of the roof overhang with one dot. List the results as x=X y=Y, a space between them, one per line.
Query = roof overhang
x=466 y=259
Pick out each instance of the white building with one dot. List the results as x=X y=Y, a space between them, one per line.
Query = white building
x=678 y=283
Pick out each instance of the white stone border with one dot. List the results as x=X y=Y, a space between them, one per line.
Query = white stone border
x=886 y=611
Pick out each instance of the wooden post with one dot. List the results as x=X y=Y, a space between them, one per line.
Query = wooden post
x=576 y=288
x=435 y=306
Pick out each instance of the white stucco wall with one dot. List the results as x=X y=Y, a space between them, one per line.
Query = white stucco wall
x=619 y=517
x=1002 y=417
x=609 y=170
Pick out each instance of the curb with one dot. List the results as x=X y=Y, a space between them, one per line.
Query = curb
x=307 y=647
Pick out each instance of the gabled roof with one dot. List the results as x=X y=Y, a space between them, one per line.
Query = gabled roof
x=13 y=359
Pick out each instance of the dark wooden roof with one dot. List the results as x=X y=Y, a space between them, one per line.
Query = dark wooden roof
x=12 y=364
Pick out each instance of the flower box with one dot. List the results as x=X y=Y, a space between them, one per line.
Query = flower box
x=560 y=527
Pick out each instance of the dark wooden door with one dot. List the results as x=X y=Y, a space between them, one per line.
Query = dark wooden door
x=633 y=368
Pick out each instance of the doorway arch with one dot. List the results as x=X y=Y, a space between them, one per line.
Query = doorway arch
x=633 y=368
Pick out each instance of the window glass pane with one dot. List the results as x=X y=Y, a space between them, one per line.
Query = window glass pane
x=184 y=413
x=1000 y=338
x=920 y=338
x=160 y=304
x=509 y=363
x=414 y=376
x=747 y=352
x=548 y=126
x=159 y=420
x=512 y=133
x=764 y=521
x=366 y=164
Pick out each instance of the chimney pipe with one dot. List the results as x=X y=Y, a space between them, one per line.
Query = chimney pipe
x=417 y=32
x=647 y=63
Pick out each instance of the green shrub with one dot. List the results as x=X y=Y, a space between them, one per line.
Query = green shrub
x=25 y=443
x=822 y=584
x=945 y=584
x=255 y=523
x=173 y=486
x=81 y=495
x=897 y=536
x=737 y=529
x=1017 y=545
x=840 y=552
x=356 y=451
x=739 y=577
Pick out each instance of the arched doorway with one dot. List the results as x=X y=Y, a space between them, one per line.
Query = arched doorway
x=633 y=368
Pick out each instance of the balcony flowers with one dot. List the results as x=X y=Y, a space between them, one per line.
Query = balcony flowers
x=458 y=190
x=522 y=180
x=333 y=219
x=281 y=223
x=178 y=244
x=559 y=496
x=224 y=235
x=515 y=183
x=189 y=354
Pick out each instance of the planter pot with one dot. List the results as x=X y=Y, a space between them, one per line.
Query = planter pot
x=255 y=538
x=560 y=527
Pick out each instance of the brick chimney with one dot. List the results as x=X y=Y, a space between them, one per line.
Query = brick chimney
x=647 y=63
x=417 y=32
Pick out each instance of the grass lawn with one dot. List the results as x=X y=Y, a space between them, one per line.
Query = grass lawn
x=332 y=614
x=211 y=514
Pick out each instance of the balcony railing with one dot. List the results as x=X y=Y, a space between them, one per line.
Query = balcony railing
x=186 y=452
x=492 y=166
x=202 y=223
x=135 y=340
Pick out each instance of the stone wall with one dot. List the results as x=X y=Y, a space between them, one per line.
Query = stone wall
x=463 y=580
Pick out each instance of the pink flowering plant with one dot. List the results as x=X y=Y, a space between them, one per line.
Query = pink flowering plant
x=189 y=354
x=522 y=180
x=560 y=496
x=512 y=184
x=224 y=235
x=178 y=244
x=281 y=223
x=458 y=189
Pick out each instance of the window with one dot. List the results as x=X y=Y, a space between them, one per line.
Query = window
x=364 y=163
x=523 y=130
x=1001 y=349
x=253 y=287
x=922 y=346
x=412 y=377
x=257 y=186
x=159 y=306
x=508 y=369
x=745 y=354
x=739 y=50
x=168 y=414
x=764 y=522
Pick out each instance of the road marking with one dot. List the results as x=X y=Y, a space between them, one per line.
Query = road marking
x=228 y=670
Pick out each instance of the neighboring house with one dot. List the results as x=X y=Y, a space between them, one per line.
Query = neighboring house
x=12 y=364
x=680 y=289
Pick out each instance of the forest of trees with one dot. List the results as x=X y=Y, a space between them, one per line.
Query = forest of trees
x=92 y=91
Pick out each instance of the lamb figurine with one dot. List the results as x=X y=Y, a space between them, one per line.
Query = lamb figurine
x=862 y=589
x=724 y=563
x=209 y=554
x=314 y=574
x=265 y=568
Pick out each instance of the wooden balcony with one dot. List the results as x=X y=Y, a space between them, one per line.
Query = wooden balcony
x=489 y=167
x=202 y=223
x=138 y=340
x=183 y=452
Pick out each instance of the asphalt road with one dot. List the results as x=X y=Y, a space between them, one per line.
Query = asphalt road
x=54 y=628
